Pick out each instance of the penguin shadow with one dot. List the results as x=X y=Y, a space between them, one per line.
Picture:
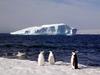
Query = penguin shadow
x=83 y=67
x=80 y=68
x=61 y=63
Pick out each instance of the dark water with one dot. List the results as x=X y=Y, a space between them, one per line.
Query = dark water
x=61 y=45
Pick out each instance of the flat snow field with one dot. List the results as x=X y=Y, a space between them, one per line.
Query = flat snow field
x=26 y=67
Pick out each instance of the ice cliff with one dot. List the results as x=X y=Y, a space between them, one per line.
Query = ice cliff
x=49 y=29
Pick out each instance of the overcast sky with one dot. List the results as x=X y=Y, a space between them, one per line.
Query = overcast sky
x=19 y=14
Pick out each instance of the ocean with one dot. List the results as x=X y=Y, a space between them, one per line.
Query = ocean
x=88 y=47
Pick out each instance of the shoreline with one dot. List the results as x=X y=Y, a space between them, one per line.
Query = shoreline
x=27 y=67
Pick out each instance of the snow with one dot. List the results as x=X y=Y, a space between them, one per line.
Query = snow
x=49 y=29
x=27 y=67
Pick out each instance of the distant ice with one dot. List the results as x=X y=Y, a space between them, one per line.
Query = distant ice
x=49 y=29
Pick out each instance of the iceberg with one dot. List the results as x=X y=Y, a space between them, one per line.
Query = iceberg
x=49 y=29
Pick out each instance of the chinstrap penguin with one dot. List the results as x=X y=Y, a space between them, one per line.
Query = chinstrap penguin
x=74 y=60
x=41 y=60
x=51 y=58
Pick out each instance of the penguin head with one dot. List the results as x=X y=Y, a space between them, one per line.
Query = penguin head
x=51 y=54
x=42 y=52
x=73 y=53
x=50 y=51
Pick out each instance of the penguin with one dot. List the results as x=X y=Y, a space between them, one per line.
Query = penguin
x=74 y=60
x=51 y=58
x=41 y=60
x=20 y=55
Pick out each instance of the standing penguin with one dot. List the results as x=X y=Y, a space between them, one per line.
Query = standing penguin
x=74 y=60
x=51 y=58
x=41 y=60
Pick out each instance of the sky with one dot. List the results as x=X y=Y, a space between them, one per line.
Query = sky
x=19 y=14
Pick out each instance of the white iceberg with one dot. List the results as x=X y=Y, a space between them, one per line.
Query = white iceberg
x=49 y=29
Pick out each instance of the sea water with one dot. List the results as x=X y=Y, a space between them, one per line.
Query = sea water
x=88 y=47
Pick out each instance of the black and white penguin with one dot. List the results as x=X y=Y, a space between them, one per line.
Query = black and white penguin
x=51 y=58
x=74 y=60
x=41 y=60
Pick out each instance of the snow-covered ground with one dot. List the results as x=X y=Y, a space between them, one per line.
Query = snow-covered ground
x=26 y=67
